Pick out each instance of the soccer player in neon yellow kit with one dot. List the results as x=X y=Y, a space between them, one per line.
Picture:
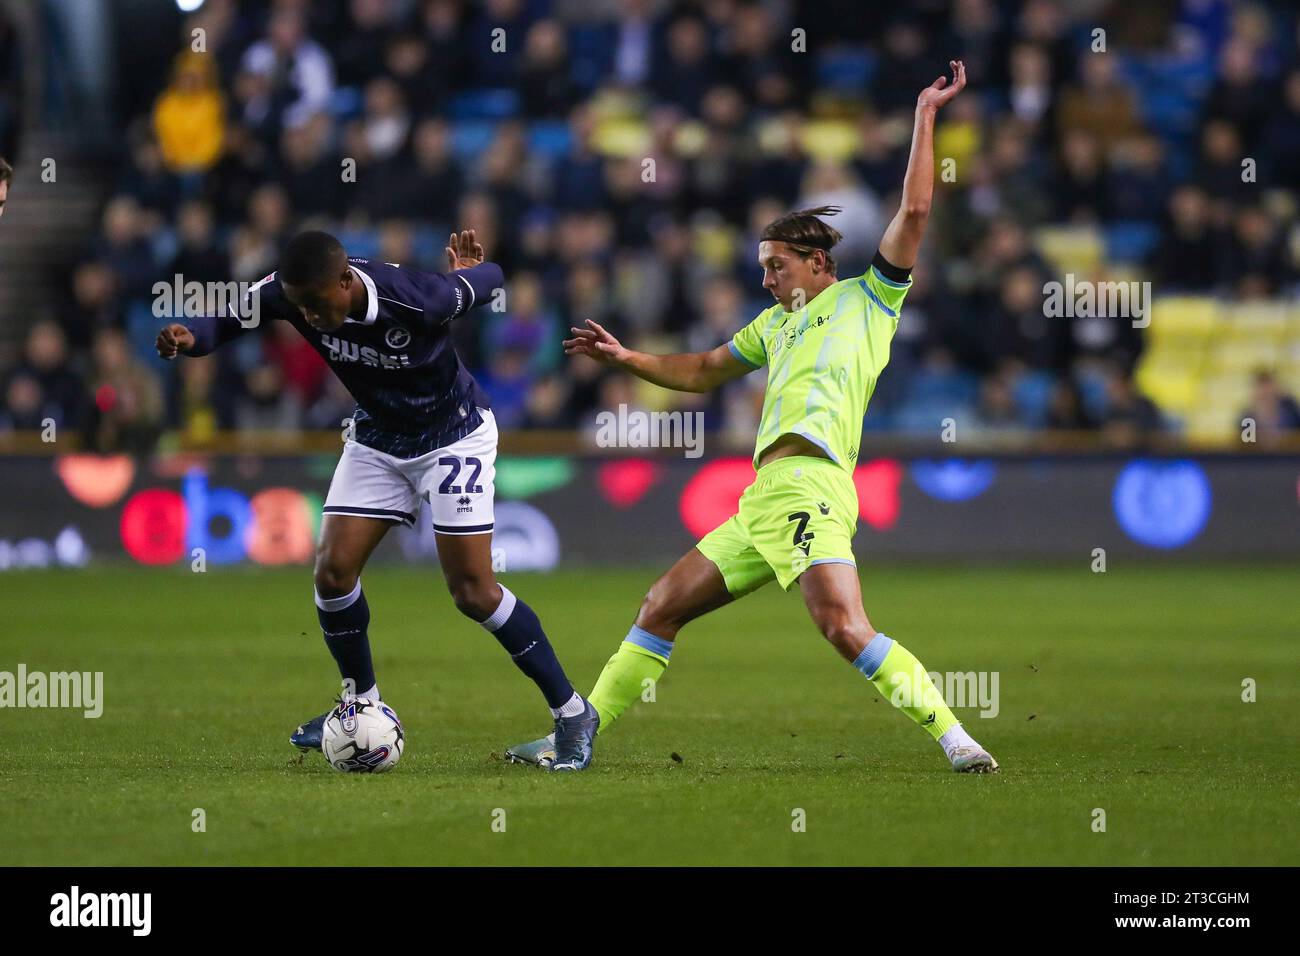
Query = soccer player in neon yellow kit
x=824 y=344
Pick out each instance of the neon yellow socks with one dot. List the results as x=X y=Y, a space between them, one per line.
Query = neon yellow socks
x=638 y=663
x=902 y=681
x=641 y=659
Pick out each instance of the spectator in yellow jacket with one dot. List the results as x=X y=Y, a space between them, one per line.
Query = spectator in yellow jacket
x=189 y=117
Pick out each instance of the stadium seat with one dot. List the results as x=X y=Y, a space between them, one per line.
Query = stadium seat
x=1169 y=110
x=346 y=103
x=1092 y=391
x=952 y=387
x=1289 y=377
x=1174 y=391
x=1226 y=391
x=834 y=140
x=1070 y=248
x=1265 y=321
x=846 y=70
x=1211 y=425
x=1244 y=354
x=1032 y=393
x=549 y=139
x=484 y=104
x=927 y=416
x=363 y=243
x=1179 y=318
x=1131 y=241
x=427 y=243
x=470 y=139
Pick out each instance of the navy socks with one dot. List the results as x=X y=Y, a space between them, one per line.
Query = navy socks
x=519 y=631
x=344 y=621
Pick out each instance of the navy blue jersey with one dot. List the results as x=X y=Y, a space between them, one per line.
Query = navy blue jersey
x=413 y=393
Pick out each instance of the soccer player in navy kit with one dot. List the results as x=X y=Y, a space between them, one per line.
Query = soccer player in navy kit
x=423 y=429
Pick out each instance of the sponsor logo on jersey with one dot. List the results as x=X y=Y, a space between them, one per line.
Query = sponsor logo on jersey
x=341 y=350
x=792 y=336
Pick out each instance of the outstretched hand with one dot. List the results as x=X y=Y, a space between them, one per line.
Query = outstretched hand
x=596 y=343
x=464 y=251
x=173 y=340
x=940 y=92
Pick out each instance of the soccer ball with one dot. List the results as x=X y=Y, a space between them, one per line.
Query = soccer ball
x=362 y=736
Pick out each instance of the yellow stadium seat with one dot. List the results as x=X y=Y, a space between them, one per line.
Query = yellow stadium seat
x=1227 y=392
x=1182 y=318
x=1171 y=390
x=1265 y=321
x=1077 y=249
x=1289 y=377
x=1244 y=355
x=834 y=140
x=1211 y=426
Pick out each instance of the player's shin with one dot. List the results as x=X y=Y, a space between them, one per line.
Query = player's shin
x=635 y=667
x=344 y=622
x=517 y=628
x=899 y=676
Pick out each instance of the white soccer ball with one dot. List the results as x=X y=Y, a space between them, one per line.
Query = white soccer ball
x=362 y=736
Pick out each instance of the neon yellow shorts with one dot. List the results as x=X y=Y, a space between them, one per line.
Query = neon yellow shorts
x=799 y=511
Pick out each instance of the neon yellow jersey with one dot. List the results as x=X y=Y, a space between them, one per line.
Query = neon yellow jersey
x=823 y=362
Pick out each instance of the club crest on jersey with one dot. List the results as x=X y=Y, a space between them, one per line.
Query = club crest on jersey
x=341 y=350
x=397 y=338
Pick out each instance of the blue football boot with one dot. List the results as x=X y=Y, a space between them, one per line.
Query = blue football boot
x=539 y=753
x=308 y=736
x=574 y=737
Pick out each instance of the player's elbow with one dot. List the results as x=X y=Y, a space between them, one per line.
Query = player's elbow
x=916 y=210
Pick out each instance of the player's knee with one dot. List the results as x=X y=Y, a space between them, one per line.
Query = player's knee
x=844 y=627
x=474 y=596
x=333 y=578
x=657 y=615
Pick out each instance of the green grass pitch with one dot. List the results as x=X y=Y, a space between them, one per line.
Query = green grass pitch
x=1120 y=691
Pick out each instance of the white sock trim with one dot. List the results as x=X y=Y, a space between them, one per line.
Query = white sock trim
x=338 y=603
x=572 y=707
x=503 y=611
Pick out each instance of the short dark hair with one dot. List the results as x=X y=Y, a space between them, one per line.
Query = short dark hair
x=310 y=258
x=6 y=171
x=803 y=231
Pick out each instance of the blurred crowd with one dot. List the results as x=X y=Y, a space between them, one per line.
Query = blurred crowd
x=618 y=158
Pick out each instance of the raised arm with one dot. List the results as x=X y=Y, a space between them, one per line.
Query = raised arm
x=197 y=336
x=902 y=238
x=685 y=372
x=471 y=280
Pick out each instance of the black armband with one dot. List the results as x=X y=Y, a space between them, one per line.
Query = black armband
x=890 y=271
